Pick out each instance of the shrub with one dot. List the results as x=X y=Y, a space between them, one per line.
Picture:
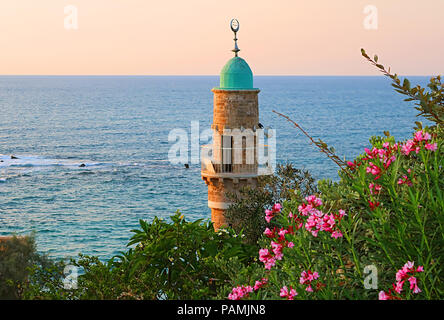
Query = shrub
x=319 y=251
x=386 y=213
x=17 y=256
x=178 y=260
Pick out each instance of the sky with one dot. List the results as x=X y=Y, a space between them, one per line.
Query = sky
x=193 y=37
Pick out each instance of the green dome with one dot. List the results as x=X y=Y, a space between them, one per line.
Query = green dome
x=236 y=75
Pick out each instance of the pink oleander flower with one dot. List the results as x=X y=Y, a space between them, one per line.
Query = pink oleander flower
x=422 y=136
x=319 y=221
x=305 y=209
x=374 y=170
x=282 y=232
x=351 y=164
x=405 y=180
x=289 y=294
x=383 y=296
x=260 y=284
x=307 y=277
x=374 y=188
x=269 y=233
x=314 y=201
x=239 y=292
x=267 y=258
x=264 y=255
x=414 y=285
x=373 y=205
x=408 y=147
x=398 y=286
x=277 y=250
x=431 y=146
x=400 y=275
x=277 y=207
x=336 y=234
x=407 y=272
x=268 y=215
x=290 y=245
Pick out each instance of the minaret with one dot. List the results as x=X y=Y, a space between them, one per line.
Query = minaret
x=231 y=162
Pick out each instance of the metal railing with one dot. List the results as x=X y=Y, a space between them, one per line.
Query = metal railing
x=243 y=161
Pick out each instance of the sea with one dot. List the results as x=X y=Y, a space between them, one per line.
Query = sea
x=118 y=127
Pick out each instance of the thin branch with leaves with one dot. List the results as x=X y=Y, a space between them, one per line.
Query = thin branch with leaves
x=323 y=147
x=430 y=103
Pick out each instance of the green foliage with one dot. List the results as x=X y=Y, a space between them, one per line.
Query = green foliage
x=17 y=256
x=177 y=260
x=408 y=225
x=246 y=214
x=401 y=221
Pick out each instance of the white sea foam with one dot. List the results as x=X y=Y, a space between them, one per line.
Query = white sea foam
x=26 y=161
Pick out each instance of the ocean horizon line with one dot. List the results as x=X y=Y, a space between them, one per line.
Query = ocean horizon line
x=199 y=75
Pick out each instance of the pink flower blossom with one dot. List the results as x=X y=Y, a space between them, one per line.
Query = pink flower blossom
x=314 y=201
x=407 y=272
x=422 y=136
x=269 y=233
x=239 y=292
x=399 y=285
x=431 y=146
x=336 y=234
x=307 y=277
x=289 y=294
x=305 y=209
x=383 y=296
x=282 y=232
x=277 y=207
x=268 y=215
x=267 y=258
x=374 y=170
x=277 y=250
x=374 y=188
x=408 y=147
x=260 y=284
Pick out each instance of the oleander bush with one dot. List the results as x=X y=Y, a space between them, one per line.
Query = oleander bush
x=385 y=216
x=377 y=233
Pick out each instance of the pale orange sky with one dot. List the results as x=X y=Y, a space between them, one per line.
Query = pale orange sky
x=192 y=37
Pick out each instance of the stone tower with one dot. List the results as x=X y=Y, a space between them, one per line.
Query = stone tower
x=231 y=162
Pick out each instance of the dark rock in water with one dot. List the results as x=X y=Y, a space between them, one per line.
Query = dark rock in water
x=82 y=165
x=187 y=166
x=14 y=157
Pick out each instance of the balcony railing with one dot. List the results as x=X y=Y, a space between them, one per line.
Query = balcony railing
x=238 y=161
